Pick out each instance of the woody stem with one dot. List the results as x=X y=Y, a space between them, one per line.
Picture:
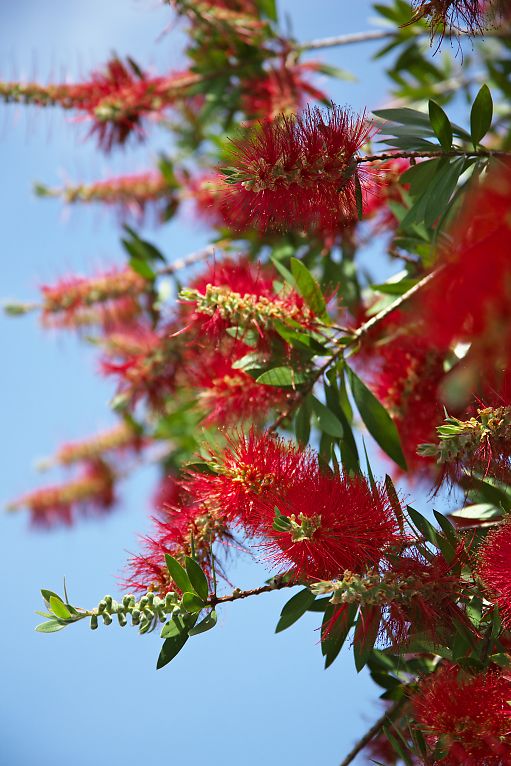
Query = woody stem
x=419 y=155
x=373 y=731
x=378 y=34
x=237 y=594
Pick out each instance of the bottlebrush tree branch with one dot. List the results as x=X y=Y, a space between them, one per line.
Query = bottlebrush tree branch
x=379 y=34
x=374 y=730
x=338 y=40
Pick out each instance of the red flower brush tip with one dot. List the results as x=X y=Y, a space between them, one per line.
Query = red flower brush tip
x=297 y=172
x=494 y=570
x=332 y=524
x=469 y=298
x=245 y=472
x=468 y=715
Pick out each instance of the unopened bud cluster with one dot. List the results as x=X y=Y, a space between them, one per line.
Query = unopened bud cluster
x=243 y=310
x=460 y=440
x=145 y=613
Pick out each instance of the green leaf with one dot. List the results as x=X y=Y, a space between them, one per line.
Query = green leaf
x=171 y=647
x=47 y=594
x=178 y=574
x=478 y=512
x=59 y=609
x=395 y=288
x=204 y=625
x=197 y=578
x=51 y=626
x=441 y=125
x=358 y=197
x=142 y=268
x=192 y=603
x=294 y=609
x=423 y=525
x=302 y=421
x=309 y=289
x=442 y=190
x=337 y=632
x=366 y=633
x=377 y=420
x=419 y=176
x=404 y=116
x=327 y=421
x=285 y=273
x=282 y=377
x=268 y=8
x=174 y=627
x=446 y=527
x=481 y=115
x=299 y=339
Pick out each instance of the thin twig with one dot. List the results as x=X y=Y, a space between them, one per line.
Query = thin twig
x=237 y=594
x=356 y=37
x=373 y=731
x=383 y=156
x=188 y=260
x=382 y=34
x=377 y=318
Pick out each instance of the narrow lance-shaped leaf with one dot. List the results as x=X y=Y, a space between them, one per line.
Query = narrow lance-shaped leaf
x=366 y=633
x=178 y=574
x=441 y=125
x=377 y=420
x=481 y=115
x=294 y=609
x=309 y=288
x=204 y=625
x=50 y=626
x=282 y=377
x=197 y=578
x=327 y=421
x=337 y=623
x=171 y=647
x=59 y=609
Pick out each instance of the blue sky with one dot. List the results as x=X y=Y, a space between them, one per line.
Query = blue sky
x=238 y=696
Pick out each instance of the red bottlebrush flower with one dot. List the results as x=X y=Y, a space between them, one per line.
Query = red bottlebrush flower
x=332 y=524
x=281 y=90
x=91 y=492
x=494 y=569
x=469 y=299
x=430 y=591
x=466 y=16
x=173 y=535
x=116 y=99
x=468 y=715
x=297 y=172
x=239 y=294
x=249 y=468
x=120 y=439
x=230 y=396
x=143 y=360
x=131 y=194
x=73 y=301
x=405 y=370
